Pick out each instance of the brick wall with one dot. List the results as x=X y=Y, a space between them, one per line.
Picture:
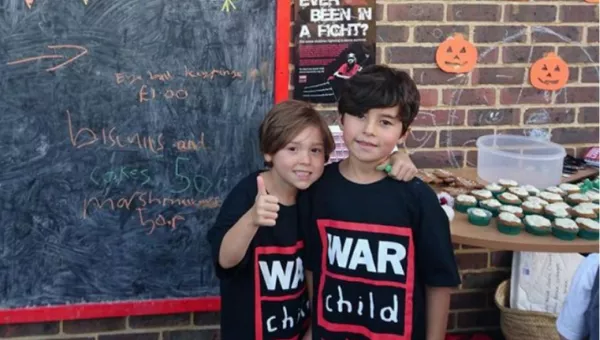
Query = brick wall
x=494 y=98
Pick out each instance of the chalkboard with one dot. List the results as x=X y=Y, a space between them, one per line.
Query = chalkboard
x=123 y=125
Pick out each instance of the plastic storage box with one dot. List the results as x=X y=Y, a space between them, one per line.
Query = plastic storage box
x=523 y=159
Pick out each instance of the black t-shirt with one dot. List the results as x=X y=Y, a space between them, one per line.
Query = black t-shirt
x=264 y=296
x=372 y=249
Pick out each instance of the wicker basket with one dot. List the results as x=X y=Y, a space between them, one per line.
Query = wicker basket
x=523 y=325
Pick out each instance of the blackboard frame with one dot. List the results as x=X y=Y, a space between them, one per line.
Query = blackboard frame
x=162 y=306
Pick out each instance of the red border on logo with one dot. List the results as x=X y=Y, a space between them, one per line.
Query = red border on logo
x=258 y=330
x=409 y=285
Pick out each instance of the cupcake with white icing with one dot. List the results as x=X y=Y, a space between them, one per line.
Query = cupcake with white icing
x=594 y=206
x=509 y=224
x=464 y=202
x=482 y=194
x=550 y=197
x=537 y=225
x=565 y=229
x=585 y=211
x=517 y=211
x=508 y=198
x=556 y=210
x=537 y=199
x=569 y=188
x=521 y=192
x=495 y=188
x=532 y=208
x=594 y=196
x=507 y=183
x=479 y=217
x=533 y=191
x=574 y=199
x=588 y=228
x=492 y=205
x=556 y=190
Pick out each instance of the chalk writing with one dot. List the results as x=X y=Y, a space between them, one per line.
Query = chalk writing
x=228 y=5
x=159 y=221
x=114 y=176
x=200 y=183
x=81 y=52
x=149 y=93
x=190 y=145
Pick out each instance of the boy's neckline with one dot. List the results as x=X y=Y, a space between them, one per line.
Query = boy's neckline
x=349 y=178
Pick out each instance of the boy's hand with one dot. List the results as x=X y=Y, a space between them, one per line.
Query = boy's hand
x=264 y=211
x=399 y=166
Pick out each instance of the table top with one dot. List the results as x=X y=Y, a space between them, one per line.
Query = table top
x=489 y=237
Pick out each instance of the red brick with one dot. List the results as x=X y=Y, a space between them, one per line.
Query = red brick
x=462 y=137
x=588 y=115
x=130 y=336
x=493 y=116
x=485 y=279
x=578 y=54
x=530 y=13
x=525 y=95
x=468 y=300
x=498 y=75
x=451 y=321
x=440 y=118
x=573 y=75
x=410 y=55
x=487 y=55
x=469 y=96
x=473 y=12
x=590 y=75
x=437 y=33
x=207 y=318
x=421 y=139
x=582 y=94
x=206 y=334
x=29 y=329
x=415 y=12
x=472 y=261
x=572 y=33
x=93 y=325
x=524 y=54
x=501 y=259
x=152 y=321
x=435 y=76
x=489 y=34
x=429 y=97
x=471 y=159
x=437 y=159
x=547 y=115
x=482 y=318
x=379 y=9
x=387 y=33
x=575 y=135
x=578 y=13
x=592 y=34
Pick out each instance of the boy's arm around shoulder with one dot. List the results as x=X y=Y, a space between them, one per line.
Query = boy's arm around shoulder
x=435 y=258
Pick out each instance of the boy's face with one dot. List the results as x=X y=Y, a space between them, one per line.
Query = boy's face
x=372 y=138
x=300 y=163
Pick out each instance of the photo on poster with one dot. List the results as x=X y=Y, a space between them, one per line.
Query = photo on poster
x=334 y=40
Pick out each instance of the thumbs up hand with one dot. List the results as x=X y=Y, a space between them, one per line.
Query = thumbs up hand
x=264 y=211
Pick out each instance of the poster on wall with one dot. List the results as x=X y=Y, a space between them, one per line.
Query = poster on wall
x=334 y=40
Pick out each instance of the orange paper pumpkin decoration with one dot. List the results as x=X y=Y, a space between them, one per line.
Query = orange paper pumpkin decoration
x=456 y=55
x=549 y=73
x=593 y=1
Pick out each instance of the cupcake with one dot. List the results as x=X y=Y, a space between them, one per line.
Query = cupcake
x=569 y=188
x=556 y=190
x=531 y=190
x=588 y=228
x=509 y=223
x=574 y=199
x=495 y=188
x=482 y=194
x=556 y=210
x=550 y=197
x=565 y=229
x=492 y=205
x=594 y=196
x=517 y=211
x=594 y=206
x=519 y=191
x=532 y=208
x=537 y=225
x=479 y=217
x=536 y=199
x=508 y=198
x=584 y=211
x=506 y=183
x=464 y=202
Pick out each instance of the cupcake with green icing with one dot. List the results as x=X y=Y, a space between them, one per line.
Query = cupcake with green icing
x=565 y=229
x=537 y=225
x=479 y=217
x=464 y=202
x=588 y=228
x=509 y=224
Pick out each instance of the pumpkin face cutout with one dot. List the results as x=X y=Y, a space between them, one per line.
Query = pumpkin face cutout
x=456 y=55
x=549 y=73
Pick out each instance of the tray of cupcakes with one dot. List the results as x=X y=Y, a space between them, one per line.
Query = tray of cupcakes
x=566 y=211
